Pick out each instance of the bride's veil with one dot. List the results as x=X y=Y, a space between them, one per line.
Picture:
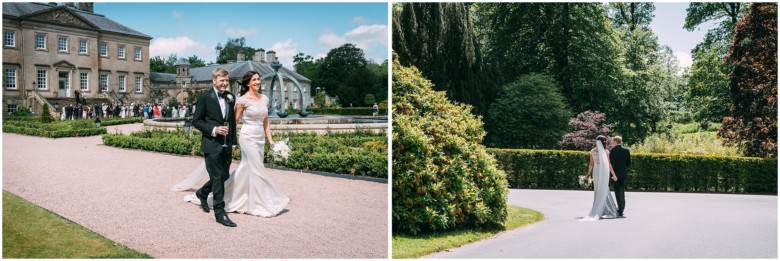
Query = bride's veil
x=191 y=180
x=603 y=167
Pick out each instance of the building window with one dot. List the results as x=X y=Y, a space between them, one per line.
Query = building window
x=84 y=81
x=62 y=44
x=137 y=83
x=121 y=83
x=9 y=39
x=104 y=49
x=137 y=53
x=120 y=51
x=82 y=46
x=103 y=82
x=10 y=78
x=40 y=42
x=42 y=79
x=11 y=108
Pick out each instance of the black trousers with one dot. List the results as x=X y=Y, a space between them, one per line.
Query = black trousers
x=620 y=194
x=218 y=167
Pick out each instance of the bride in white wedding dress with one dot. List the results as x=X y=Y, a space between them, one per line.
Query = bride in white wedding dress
x=250 y=189
x=603 y=203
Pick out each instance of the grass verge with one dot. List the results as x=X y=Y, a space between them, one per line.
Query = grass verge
x=30 y=231
x=413 y=246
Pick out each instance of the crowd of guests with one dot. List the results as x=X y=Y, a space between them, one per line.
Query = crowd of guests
x=83 y=110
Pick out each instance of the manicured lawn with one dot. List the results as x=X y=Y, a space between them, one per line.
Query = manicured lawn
x=30 y=231
x=408 y=246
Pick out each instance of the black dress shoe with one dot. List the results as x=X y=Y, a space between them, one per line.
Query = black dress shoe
x=621 y=216
x=224 y=220
x=204 y=204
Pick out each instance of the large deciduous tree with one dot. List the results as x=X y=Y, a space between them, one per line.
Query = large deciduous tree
x=230 y=50
x=752 y=121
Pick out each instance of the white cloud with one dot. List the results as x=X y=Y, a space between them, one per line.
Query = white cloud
x=236 y=33
x=285 y=51
x=359 y=20
x=178 y=15
x=684 y=59
x=181 y=46
x=364 y=37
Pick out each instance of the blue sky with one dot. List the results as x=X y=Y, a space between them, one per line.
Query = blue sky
x=668 y=25
x=287 y=28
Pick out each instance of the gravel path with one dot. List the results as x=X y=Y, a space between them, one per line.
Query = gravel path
x=658 y=225
x=123 y=195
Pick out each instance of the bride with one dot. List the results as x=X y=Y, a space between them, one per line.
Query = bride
x=250 y=189
x=603 y=203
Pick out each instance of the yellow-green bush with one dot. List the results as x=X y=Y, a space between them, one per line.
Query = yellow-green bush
x=648 y=172
x=443 y=177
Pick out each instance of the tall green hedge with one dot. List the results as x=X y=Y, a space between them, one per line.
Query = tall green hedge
x=443 y=178
x=648 y=172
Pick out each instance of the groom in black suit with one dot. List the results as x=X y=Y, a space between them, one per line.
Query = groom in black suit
x=620 y=158
x=215 y=107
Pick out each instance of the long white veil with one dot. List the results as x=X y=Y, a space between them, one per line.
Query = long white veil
x=603 y=203
x=193 y=179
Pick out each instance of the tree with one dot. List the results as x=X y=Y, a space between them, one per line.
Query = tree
x=230 y=50
x=587 y=127
x=719 y=36
x=343 y=72
x=319 y=99
x=443 y=178
x=752 y=121
x=163 y=65
x=196 y=62
x=46 y=114
x=369 y=100
x=529 y=113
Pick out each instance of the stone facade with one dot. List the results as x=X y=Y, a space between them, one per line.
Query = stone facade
x=59 y=49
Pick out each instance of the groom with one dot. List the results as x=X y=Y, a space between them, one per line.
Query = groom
x=620 y=158
x=214 y=108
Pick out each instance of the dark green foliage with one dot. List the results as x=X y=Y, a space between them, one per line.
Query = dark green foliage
x=369 y=99
x=528 y=113
x=57 y=129
x=230 y=50
x=362 y=153
x=648 y=172
x=21 y=112
x=367 y=111
x=443 y=178
x=319 y=99
x=439 y=39
x=752 y=121
x=46 y=114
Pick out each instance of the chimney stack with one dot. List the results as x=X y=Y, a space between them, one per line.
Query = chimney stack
x=271 y=55
x=240 y=57
x=259 y=56
x=86 y=7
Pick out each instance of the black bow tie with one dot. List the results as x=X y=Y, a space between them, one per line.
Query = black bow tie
x=222 y=95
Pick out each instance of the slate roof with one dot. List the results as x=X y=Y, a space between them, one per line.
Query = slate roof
x=19 y=9
x=235 y=70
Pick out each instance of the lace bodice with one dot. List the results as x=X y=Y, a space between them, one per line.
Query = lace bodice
x=254 y=111
x=594 y=154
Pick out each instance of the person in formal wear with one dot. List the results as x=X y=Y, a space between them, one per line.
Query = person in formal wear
x=620 y=158
x=600 y=169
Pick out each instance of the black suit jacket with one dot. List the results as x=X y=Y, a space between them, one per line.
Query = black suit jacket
x=208 y=115
x=620 y=158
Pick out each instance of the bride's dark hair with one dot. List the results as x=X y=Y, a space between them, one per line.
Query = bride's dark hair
x=245 y=81
x=603 y=140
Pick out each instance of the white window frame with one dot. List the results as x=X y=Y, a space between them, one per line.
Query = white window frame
x=11 y=84
x=103 y=46
x=137 y=54
x=43 y=79
x=9 y=36
x=103 y=82
x=138 y=81
x=40 y=45
x=84 y=81
x=120 y=52
x=122 y=82
x=83 y=49
x=62 y=44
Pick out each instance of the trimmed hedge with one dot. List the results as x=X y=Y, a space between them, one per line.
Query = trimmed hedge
x=556 y=169
x=343 y=153
x=367 y=111
x=34 y=127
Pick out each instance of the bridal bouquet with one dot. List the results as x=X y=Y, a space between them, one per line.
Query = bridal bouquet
x=280 y=151
x=585 y=181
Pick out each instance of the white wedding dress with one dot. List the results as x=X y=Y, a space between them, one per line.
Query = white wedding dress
x=603 y=203
x=250 y=189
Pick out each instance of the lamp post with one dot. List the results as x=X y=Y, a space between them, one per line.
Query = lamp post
x=188 y=127
x=97 y=122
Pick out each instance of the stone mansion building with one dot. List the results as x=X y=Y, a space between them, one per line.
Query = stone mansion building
x=51 y=50
x=188 y=80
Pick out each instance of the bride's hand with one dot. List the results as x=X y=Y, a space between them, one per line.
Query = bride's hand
x=614 y=178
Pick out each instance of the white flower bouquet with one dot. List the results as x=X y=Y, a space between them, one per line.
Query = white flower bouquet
x=585 y=181
x=280 y=151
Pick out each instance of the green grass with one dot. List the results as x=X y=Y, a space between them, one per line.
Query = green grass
x=413 y=246
x=30 y=231
x=697 y=143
